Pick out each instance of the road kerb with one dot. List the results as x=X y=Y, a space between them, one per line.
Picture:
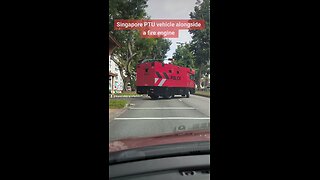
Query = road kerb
x=116 y=112
x=201 y=95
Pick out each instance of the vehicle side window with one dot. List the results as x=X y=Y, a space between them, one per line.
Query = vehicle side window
x=165 y=75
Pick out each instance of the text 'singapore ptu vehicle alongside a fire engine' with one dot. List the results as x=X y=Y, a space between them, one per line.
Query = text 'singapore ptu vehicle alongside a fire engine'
x=156 y=78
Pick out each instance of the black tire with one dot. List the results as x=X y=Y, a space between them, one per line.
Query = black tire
x=183 y=95
x=188 y=94
x=167 y=94
x=172 y=96
x=154 y=97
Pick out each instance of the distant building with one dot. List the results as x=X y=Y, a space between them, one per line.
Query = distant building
x=115 y=81
x=118 y=82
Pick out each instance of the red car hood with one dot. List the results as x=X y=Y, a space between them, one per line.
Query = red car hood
x=172 y=138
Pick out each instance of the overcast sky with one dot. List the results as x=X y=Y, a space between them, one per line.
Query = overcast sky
x=172 y=9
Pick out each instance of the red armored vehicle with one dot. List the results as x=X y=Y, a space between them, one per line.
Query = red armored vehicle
x=156 y=78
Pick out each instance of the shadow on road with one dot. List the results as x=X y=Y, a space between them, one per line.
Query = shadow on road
x=161 y=98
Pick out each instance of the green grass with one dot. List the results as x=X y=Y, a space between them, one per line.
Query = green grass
x=203 y=93
x=117 y=104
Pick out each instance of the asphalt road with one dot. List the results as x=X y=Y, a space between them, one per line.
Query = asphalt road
x=146 y=117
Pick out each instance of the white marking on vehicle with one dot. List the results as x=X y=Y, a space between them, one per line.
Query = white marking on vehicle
x=165 y=108
x=159 y=118
x=155 y=80
x=161 y=82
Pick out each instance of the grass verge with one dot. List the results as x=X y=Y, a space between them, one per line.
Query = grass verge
x=203 y=93
x=117 y=103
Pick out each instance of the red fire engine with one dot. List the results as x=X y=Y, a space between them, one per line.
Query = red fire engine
x=158 y=79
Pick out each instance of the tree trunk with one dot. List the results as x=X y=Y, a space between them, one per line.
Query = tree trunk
x=123 y=78
x=199 y=77
x=125 y=83
x=133 y=84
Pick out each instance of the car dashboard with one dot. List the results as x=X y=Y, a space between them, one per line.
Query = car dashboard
x=175 y=168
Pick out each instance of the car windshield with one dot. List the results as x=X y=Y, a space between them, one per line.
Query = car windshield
x=159 y=73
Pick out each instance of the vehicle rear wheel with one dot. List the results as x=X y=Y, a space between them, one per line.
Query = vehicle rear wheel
x=188 y=94
x=167 y=94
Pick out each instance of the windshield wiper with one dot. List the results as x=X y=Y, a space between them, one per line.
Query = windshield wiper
x=160 y=151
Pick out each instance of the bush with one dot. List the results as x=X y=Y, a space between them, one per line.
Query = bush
x=128 y=93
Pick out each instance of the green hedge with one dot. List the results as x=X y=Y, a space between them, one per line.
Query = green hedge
x=127 y=93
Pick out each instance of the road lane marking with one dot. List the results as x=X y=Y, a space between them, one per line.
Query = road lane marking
x=159 y=118
x=179 y=99
x=165 y=108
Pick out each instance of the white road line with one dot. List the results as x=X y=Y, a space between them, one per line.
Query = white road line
x=179 y=99
x=165 y=108
x=159 y=118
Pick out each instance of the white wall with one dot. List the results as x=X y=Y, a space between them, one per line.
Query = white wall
x=113 y=67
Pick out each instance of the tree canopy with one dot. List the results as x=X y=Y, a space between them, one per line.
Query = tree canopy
x=196 y=54
x=200 y=44
x=183 y=56
x=133 y=47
